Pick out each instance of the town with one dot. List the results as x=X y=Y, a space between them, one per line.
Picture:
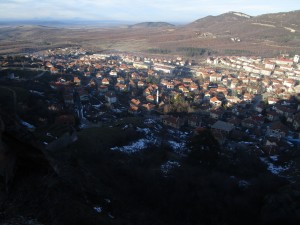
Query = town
x=245 y=101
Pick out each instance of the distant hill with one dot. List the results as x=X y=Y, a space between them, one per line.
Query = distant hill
x=277 y=29
x=151 y=25
x=219 y=21
x=234 y=33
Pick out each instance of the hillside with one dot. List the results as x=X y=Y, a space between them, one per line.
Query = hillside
x=220 y=22
x=269 y=30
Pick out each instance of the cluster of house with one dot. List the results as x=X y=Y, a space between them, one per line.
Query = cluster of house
x=239 y=98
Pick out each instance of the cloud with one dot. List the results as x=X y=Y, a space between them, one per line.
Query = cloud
x=138 y=10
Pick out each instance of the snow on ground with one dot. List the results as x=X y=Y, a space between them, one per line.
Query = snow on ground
x=274 y=168
x=178 y=147
x=241 y=183
x=133 y=147
x=98 y=209
x=274 y=158
x=152 y=137
x=244 y=184
x=141 y=144
x=27 y=125
x=145 y=131
x=168 y=166
x=178 y=141
x=150 y=121
x=179 y=134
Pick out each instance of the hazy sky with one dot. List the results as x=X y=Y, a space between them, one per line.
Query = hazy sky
x=137 y=10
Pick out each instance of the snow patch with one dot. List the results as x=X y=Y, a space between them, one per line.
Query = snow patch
x=150 y=121
x=241 y=14
x=145 y=131
x=273 y=168
x=243 y=183
x=274 y=158
x=168 y=166
x=98 y=209
x=133 y=147
x=177 y=146
x=28 y=125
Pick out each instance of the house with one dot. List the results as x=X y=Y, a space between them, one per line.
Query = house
x=271 y=146
x=215 y=77
x=141 y=84
x=133 y=110
x=120 y=80
x=83 y=94
x=132 y=84
x=207 y=96
x=170 y=85
x=68 y=99
x=259 y=107
x=216 y=113
x=148 y=106
x=266 y=72
x=187 y=80
x=234 y=121
x=194 y=121
x=214 y=101
x=135 y=102
x=103 y=88
x=296 y=121
x=272 y=101
x=248 y=97
x=193 y=87
x=286 y=68
x=77 y=81
x=110 y=97
x=272 y=116
x=183 y=89
x=98 y=75
x=277 y=129
x=139 y=65
x=231 y=100
x=67 y=119
x=163 y=68
x=270 y=65
x=53 y=70
x=244 y=80
x=284 y=61
x=172 y=121
x=121 y=87
x=134 y=76
x=113 y=73
x=279 y=72
x=222 y=126
x=289 y=82
x=249 y=123
x=150 y=98
x=105 y=81
x=146 y=92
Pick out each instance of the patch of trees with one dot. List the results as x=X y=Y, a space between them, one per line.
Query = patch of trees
x=211 y=186
x=194 y=52
x=237 y=52
x=158 y=51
